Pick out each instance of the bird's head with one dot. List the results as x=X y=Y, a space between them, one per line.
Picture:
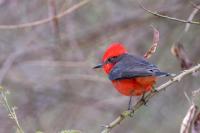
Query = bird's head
x=111 y=57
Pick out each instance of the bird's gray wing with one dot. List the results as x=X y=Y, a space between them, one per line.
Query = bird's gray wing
x=131 y=66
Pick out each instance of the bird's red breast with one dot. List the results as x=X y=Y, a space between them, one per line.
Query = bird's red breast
x=134 y=86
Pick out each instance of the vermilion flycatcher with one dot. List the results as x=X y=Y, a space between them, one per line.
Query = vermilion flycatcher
x=130 y=75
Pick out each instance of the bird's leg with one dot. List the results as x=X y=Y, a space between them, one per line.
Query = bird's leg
x=143 y=99
x=130 y=103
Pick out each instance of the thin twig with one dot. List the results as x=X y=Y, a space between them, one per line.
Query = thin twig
x=167 y=17
x=194 y=5
x=124 y=115
x=154 y=45
x=179 y=52
x=190 y=101
x=189 y=119
x=44 y=21
x=194 y=12
x=11 y=110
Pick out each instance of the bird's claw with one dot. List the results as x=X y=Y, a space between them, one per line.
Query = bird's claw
x=144 y=101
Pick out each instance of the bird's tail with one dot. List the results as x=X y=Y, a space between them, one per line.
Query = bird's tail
x=164 y=74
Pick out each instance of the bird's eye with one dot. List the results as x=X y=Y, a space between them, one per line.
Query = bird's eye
x=109 y=59
x=112 y=59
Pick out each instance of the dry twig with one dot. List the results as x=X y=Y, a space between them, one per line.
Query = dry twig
x=11 y=110
x=179 y=52
x=154 y=45
x=124 y=115
x=191 y=121
x=188 y=120
x=47 y=20
x=167 y=17
x=194 y=4
x=194 y=12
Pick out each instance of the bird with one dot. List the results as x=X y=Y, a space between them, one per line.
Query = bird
x=131 y=75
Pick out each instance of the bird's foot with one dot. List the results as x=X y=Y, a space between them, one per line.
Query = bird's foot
x=144 y=100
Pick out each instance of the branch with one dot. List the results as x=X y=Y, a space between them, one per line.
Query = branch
x=167 y=17
x=129 y=113
x=46 y=20
x=188 y=121
x=194 y=5
x=154 y=45
x=194 y=12
x=10 y=109
x=179 y=52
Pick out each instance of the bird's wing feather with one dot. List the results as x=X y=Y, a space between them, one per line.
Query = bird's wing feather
x=131 y=66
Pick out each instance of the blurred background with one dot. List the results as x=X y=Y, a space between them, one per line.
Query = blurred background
x=47 y=65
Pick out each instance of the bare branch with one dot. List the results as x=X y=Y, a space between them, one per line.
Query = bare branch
x=11 y=110
x=167 y=17
x=194 y=5
x=188 y=121
x=194 y=12
x=179 y=52
x=154 y=45
x=124 y=115
x=47 y=20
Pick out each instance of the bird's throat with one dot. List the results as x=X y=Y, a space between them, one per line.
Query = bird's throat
x=108 y=67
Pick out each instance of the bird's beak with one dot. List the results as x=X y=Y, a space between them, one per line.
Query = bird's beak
x=98 y=66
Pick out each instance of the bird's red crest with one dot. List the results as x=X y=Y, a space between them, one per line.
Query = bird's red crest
x=115 y=49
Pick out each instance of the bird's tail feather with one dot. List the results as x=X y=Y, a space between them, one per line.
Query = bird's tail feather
x=164 y=74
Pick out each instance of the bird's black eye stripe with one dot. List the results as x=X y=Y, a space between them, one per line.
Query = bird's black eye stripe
x=112 y=59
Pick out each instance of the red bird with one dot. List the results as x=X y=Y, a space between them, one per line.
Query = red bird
x=130 y=75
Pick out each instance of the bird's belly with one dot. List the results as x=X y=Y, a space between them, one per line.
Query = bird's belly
x=134 y=86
